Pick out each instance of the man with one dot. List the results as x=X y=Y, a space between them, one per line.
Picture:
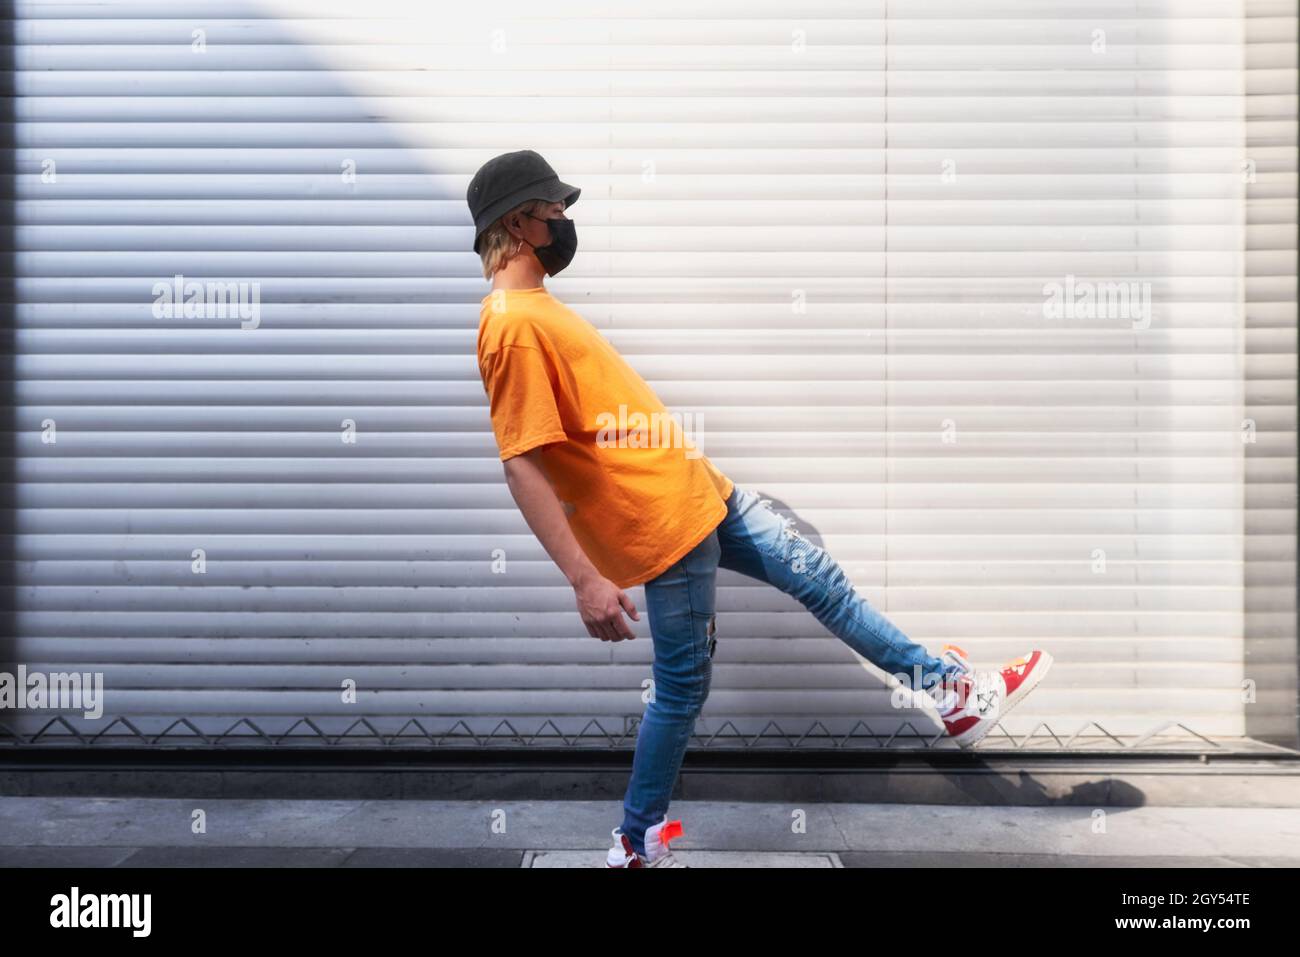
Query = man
x=614 y=511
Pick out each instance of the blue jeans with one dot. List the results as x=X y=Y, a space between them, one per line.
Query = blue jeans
x=681 y=603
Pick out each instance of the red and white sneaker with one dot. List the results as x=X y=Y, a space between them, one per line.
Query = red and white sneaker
x=971 y=704
x=657 y=852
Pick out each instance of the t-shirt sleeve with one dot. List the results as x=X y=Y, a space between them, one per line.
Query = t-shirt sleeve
x=521 y=400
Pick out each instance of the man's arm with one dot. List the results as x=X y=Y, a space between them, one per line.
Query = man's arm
x=601 y=603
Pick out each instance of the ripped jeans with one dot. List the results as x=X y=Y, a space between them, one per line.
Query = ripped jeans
x=756 y=541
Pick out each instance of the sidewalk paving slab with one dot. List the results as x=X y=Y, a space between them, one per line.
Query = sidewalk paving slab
x=107 y=832
x=798 y=859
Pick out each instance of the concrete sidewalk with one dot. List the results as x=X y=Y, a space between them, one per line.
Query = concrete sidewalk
x=140 y=832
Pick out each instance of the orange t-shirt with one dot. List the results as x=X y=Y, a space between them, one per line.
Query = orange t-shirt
x=638 y=493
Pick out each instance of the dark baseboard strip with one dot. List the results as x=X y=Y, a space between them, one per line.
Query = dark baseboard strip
x=979 y=778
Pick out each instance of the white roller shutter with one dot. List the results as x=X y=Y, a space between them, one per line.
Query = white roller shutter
x=1270 y=175
x=828 y=230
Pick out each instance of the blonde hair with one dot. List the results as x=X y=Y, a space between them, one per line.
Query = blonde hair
x=495 y=248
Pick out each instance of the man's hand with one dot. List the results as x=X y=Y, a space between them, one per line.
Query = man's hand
x=601 y=604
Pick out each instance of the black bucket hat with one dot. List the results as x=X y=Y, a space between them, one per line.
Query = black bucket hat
x=505 y=181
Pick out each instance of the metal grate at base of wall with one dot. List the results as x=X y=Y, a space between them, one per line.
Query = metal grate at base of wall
x=1091 y=737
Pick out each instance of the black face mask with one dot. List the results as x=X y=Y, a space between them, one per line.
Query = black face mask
x=559 y=252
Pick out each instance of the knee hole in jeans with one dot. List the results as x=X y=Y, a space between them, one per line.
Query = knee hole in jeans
x=702 y=653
